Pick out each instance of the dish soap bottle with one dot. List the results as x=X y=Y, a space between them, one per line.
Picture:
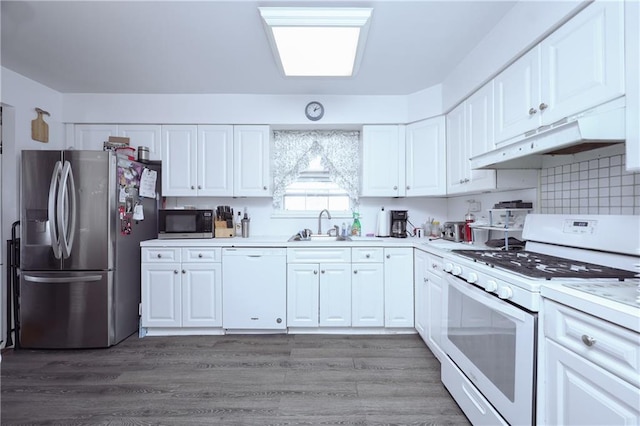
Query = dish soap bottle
x=356 y=229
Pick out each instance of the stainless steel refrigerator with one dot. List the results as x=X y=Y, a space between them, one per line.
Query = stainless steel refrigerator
x=80 y=248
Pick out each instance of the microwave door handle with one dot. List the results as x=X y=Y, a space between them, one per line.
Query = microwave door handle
x=54 y=231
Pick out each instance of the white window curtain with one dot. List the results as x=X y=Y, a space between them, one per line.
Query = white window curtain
x=339 y=152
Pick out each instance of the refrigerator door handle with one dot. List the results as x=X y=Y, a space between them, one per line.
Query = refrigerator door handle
x=33 y=279
x=53 y=203
x=67 y=209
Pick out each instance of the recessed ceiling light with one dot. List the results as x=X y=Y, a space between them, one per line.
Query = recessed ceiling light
x=317 y=42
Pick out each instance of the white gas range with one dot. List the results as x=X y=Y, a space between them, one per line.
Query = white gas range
x=492 y=299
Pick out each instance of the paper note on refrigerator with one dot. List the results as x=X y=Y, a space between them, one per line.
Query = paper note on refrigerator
x=148 y=183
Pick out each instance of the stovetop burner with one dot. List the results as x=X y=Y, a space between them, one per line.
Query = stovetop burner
x=537 y=265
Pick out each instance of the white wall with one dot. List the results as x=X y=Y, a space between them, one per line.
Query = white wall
x=277 y=110
x=521 y=28
x=20 y=97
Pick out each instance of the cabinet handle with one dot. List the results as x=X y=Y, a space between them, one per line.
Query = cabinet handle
x=193 y=187
x=315 y=272
x=355 y=271
x=388 y=256
x=466 y=180
x=184 y=272
x=408 y=187
x=368 y=256
x=200 y=255
x=175 y=271
x=322 y=272
x=588 y=340
x=199 y=186
x=159 y=255
x=461 y=181
x=434 y=265
x=543 y=106
x=395 y=187
x=264 y=188
x=426 y=280
x=532 y=111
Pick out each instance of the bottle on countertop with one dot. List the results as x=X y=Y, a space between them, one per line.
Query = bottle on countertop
x=245 y=225
x=356 y=228
x=238 y=225
x=344 y=229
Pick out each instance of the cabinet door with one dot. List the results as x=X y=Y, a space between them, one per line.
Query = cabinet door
x=92 y=136
x=398 y=287
x=425 y=158
x=215 y=161
x=148 y=135
x=201 y=295
x=479 y=138
x=302 y=294
x=517 y=91
x=456 y=151
x=161 y=295
x=579 y=393
x=179 y=165
x=420 y=284
x=435 y=314
x=383 y=154
x=582 y=63
x=335 y=295
x=367 y=295
x=251 y=171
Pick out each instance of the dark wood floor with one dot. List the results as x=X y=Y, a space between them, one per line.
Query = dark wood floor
x=230 y=380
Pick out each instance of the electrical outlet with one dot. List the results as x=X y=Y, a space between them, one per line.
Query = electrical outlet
x=474 y=206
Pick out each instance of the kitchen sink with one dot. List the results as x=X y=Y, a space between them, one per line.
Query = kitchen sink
x=319 y=238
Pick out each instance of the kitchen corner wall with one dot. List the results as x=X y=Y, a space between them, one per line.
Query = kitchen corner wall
x=590 y=186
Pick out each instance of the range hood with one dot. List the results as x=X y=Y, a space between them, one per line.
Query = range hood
x=596 y=128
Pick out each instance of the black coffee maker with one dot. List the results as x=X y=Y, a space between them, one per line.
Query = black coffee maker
x=399 y=223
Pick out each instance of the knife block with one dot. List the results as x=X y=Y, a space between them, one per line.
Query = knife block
x=221 y=230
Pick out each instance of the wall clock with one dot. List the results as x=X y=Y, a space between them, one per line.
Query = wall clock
x=314 y=111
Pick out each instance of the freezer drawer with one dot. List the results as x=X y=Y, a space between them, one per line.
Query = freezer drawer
x=66 y=310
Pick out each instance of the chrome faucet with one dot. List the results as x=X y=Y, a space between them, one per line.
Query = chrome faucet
x=320 y=220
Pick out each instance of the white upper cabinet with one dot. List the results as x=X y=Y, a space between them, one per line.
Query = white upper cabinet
x=382 y=156
x=426 y=157
x=579 y=66
x=215 y=161
x=251 y=161
x=582 y=63
x=516 y=93
x=148 y=135
x=92 y=136
x=479 y=138
x=179 y=160
x=456 y=140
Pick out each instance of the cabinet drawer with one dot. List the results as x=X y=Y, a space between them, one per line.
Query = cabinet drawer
x=161 y=255
x=318 y=255
x=201 y=254
x=614 y=348
x=434 y=265
x=367 y=254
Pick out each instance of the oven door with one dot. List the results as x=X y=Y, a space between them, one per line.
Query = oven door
x=493 y=343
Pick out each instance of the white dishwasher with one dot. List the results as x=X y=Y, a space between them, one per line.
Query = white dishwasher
x=254 y=288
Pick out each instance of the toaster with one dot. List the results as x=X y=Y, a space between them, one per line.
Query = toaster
x=453 y=231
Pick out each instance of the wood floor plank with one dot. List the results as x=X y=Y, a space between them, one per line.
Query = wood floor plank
x=230 y=380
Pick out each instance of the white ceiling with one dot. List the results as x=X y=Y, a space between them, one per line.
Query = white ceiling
x=221 y=46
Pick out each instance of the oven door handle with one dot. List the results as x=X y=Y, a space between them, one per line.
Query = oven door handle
x=487 y=299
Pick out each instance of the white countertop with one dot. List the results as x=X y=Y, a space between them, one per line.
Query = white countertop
x=615 y=312
x=437 y=246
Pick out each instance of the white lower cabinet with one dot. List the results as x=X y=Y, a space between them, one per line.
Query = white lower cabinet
x=591 y=370
x=367 y=295
x=421 y=282
x=319 y=287
x=181 y=287
x=428 y=300
x=318 y=295
x=398 y=287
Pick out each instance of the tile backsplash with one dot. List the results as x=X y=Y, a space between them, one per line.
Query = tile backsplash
x=596 y=186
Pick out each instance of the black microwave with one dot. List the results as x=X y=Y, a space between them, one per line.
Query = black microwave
x=185 y=224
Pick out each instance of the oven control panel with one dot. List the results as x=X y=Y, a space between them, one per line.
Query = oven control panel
x=575 y=226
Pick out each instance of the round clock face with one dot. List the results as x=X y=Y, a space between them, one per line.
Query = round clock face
x=314 y=111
